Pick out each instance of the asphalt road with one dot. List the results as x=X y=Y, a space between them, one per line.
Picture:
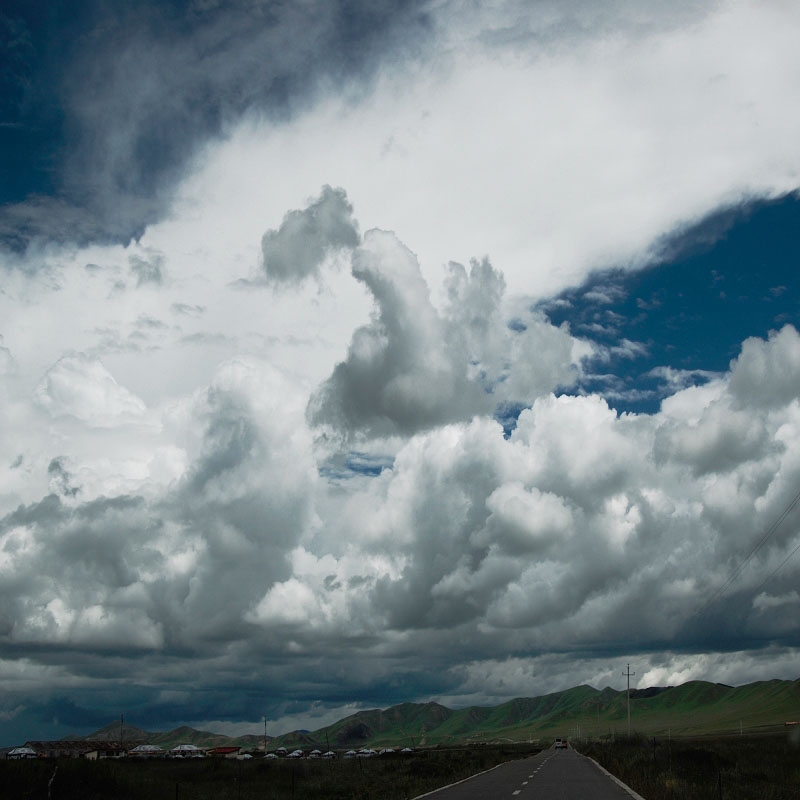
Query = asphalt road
x=550 y=775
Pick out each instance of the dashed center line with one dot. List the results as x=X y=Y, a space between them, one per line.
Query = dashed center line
x=516 y=791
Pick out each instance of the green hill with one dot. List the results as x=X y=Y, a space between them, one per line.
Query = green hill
x=693 y=708
x=114 y=732
x=206 y=739
x=169 y=739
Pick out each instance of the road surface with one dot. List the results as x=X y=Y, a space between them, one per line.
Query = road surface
x=550 y=775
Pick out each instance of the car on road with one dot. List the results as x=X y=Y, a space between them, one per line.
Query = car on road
x=560 y=744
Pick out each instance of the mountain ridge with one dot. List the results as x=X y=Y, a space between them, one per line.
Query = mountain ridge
x=692 y=708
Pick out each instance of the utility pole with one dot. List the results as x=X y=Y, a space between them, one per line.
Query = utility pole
x=628 y=674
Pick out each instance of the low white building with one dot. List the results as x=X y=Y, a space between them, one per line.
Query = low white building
x=147 y=751
x=21 y=752
x=187 y=751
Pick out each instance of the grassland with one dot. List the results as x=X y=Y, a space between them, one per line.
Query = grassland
x=754 y=767
x=383 y=778
x=688 y=745
x=692 y=709
x=761 y=767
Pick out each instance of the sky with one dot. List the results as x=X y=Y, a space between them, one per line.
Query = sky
x=355 y=353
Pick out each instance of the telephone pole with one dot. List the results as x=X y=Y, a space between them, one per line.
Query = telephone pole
x=628 y=674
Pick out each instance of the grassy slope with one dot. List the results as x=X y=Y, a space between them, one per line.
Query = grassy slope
x=184 y=735
x=693 y=708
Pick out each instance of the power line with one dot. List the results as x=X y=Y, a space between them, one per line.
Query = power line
x=776 y=570
x=766 y=536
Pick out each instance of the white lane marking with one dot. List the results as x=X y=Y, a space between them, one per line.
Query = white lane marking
x=516 y=791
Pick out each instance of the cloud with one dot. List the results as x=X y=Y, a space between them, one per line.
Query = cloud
x=412 y=367
x=721 y=438
x=246 y=496
x=222 y=485
x=172 y=570
x=582 y=529
x=397 y=375
x=583 y=538
x=153 y=85
x=305 y=238
x=6 y=359
x=188 y=309
x=149 y=270
x=61 y=482
x=775 y=364
x=82 y=387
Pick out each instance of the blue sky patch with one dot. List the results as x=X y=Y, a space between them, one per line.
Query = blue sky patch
x=733 y=276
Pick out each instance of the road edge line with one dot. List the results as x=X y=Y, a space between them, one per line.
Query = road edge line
x=616 y=780
x=463 y=780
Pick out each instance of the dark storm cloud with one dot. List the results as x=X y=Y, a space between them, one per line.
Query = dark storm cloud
x=297 y=249
x=122 y=96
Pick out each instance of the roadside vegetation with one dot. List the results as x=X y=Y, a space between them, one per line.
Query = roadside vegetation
x=762 y=767
x=765 y=767
x=395 y=777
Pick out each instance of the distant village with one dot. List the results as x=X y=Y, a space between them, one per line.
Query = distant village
x=96 y=750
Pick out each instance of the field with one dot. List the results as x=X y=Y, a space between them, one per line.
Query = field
x=765 y=767
x=381 y=778
x=705 y=768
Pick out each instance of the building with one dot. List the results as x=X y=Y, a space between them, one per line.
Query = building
x=21 y=752
x=147 y=751
x=77 y=748
x=187 y=751
x=224 y=752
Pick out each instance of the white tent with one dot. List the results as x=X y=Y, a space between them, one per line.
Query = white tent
x=146 y=751
x=187 y=751
x=22 y=752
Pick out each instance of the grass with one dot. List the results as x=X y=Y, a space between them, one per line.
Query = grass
x=382 y=778
x=692 y=709
x=765 y=767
